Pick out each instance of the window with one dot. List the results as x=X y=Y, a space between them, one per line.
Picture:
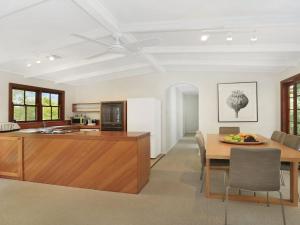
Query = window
x=50 y=105
x=28 y=104
x=24 y=105
x=290 y=105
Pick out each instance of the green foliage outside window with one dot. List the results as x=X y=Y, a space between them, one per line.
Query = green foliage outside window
x=25 y=105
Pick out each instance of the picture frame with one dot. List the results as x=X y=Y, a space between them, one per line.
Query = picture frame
x=237 y=102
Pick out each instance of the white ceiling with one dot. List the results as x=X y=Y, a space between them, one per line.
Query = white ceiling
x=32 y=30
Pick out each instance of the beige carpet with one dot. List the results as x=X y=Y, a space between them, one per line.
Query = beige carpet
x=171 y=198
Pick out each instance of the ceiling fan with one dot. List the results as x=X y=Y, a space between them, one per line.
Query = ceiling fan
x=119 y=46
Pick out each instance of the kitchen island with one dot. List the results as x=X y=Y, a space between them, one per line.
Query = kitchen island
x=109 y=161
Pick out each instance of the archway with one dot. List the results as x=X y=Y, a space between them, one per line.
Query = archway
x=182 y=112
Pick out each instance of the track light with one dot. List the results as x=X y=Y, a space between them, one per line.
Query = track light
x=254 y=38
x=51 y=58
x=229 y=37
x=204 y=37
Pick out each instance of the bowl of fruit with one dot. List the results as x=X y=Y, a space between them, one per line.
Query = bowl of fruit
x=241 y=139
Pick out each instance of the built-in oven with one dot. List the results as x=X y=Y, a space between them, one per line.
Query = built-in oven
x=113 y=116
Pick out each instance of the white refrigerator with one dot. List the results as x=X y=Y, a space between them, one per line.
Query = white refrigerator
x=144 y=115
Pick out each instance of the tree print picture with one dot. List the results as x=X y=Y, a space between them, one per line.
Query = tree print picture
x=237 y=102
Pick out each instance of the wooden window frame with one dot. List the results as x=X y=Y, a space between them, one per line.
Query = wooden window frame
x=285 y=107
x=39 y=109
x=51 y=106
x=26 y=106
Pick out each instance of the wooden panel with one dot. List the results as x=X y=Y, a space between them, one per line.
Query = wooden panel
x=143 y=161
x=11 y=157
x=100 y=164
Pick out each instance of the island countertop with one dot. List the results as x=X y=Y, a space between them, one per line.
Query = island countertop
x=101 y=160
x=108 y=135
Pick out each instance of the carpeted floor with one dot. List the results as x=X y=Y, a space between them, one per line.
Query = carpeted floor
x=171 y=198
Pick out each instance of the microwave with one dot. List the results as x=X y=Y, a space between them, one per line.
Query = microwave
x=76 y=121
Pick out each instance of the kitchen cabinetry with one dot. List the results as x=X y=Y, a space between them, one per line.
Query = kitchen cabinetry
x=11 y=157
x=85 y=107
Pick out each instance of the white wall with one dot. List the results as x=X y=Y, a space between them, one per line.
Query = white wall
x=171 y=118
x=190 y=113
x=7 y=78
x=156 y=86
x=179 y=113
x=174 y=116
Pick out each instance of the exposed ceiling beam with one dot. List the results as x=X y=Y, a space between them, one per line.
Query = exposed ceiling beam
x=223 y=49
x=216 y=24
x=99 y=13
x=225 y=63
x=102 y=73
x=22 y=8
x=104 y=17
x=224 y=69
x=115 y=76
x=75 y=65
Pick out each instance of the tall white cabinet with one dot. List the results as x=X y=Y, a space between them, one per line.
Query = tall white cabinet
x=144 y=114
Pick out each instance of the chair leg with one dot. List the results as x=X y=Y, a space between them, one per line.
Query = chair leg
x=268 y=202
x=282 y=178
x=203 y=181
x=225 y=181
x=226 y=203
x=282 y=208
x=202 y=171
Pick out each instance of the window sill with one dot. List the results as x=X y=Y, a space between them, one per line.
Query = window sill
x=38 y=124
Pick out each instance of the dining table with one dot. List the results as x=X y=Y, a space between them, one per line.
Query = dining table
x=217 y=149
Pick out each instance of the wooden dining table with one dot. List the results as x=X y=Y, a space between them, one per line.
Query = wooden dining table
x=215 y=149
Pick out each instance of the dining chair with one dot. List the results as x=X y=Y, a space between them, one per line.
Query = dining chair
x=278 y=136
x=215 y=164
x=255 y=169
x=291 y=141
x=229 y=130
x=198 y=132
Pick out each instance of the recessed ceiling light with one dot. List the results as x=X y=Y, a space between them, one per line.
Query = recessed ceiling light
x=38 y=61
x=51 y=58
x=254 y=38
x=204 y=37
x=28 y=65
x=229 y=37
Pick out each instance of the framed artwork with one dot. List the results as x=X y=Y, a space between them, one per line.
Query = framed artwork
x=237 y=102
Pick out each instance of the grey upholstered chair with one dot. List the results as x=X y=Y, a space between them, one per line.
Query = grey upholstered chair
x=200 y=135
x=255 y=170
x=229 y=130
x=215 y=164
x=278 y=136
x=291 y=141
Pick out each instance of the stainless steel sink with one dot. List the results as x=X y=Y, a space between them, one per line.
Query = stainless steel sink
x=48 y=130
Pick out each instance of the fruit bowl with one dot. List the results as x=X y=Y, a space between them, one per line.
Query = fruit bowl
x=241 y=139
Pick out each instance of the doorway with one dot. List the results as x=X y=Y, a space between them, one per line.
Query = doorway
x=182 y=112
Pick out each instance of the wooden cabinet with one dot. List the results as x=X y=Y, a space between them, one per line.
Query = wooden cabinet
x=11 y=157
x=109 y=161
x=85 y=107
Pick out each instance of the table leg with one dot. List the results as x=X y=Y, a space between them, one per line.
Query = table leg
x=294 y=183
x=207 y=178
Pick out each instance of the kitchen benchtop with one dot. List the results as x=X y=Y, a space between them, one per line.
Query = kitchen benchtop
x=109 y=135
